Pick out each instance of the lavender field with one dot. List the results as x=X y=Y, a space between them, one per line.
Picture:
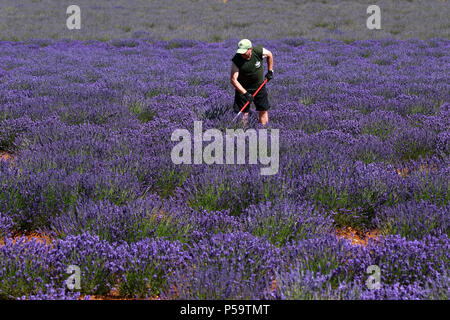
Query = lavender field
x=218 y=20
x=364 y=146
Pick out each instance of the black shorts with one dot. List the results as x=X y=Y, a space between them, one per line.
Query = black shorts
x=261 y=100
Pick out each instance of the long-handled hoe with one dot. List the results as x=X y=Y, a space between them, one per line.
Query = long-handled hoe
x=256 y=92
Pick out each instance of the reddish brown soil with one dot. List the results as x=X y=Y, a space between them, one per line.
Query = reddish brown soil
x=357 y=238
x=405 y=172
x=114 y=295
x=426 y=168
x=39 y=237
x=4 y=156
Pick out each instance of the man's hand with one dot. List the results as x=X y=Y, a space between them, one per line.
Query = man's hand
x=269 y=75
x=248 y=96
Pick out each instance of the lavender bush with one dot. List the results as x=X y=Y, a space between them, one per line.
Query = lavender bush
x=6 y=225
x=226 y=266
x=286 y=221
x=414 y=220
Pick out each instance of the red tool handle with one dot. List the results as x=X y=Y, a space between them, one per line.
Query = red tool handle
x=256 y=92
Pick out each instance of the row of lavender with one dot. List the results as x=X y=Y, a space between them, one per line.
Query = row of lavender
x=364 y=142
x=226 y=265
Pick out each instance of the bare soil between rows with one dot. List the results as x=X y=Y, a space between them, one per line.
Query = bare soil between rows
x=5 y=156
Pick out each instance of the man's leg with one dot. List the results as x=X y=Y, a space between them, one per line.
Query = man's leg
x=239 y=102
x=244 y=118
x=263 y=117
x=262 y=105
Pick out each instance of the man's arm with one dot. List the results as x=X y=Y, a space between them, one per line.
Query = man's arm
x=233 y=79
x=267 y=54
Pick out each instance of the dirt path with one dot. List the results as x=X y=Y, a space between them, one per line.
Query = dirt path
x=30 y=236
x=4 y=156
x=405 y=171
x=356 y=237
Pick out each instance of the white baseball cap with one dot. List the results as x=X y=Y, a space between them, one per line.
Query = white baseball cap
x=243 y=46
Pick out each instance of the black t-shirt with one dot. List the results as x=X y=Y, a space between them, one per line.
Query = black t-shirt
x=251 y=73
